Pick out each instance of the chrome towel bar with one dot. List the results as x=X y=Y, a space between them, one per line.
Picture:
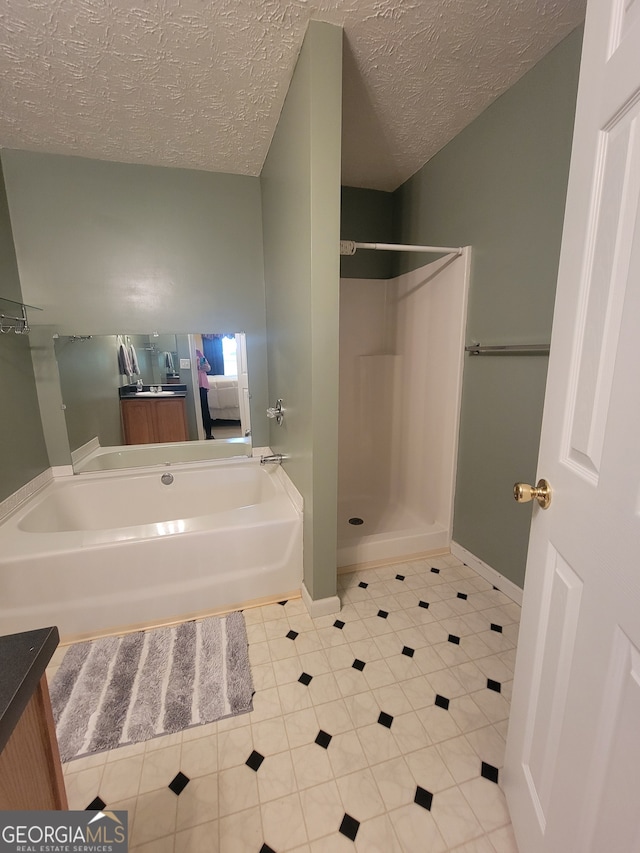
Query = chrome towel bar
x=508 y=349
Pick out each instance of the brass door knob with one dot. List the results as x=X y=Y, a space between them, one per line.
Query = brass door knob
x=523 y=492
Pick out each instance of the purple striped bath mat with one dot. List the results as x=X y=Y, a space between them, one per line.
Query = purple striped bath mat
x=121 y=690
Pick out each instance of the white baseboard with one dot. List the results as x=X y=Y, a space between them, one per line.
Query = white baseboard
x=9 y=504
x=504 y=584
x=321 y=606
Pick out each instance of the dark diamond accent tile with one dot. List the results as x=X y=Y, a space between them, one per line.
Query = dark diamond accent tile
x=442 y=702
x=463 y=596
x=423 y=798
x=283 y=602
x=435 y=571
x=358 y=664
x=489 y=772
x=255 y=760
x=497 y=628
x=292 y=635
x=323 y=739
x=383 y=614
x=453 y=639
x=385 y=719
x=179 y=783
x=363 y=585
x=338 y=624
x=400 y=577
x=494 y=685
x=497 y=587
x=409 y=652
x=424 y=604
x=349 y=826
x=305 y=679
x=96 y=805
x=266 y=849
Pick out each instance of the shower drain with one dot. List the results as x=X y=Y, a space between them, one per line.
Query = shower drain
x=356 y=520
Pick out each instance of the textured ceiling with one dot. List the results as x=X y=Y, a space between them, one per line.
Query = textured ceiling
x=200 y=83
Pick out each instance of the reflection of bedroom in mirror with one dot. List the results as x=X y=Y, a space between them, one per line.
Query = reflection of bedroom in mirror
x=145 y=389
x=217 y=365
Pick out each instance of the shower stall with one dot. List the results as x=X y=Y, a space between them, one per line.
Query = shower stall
x=401 y=358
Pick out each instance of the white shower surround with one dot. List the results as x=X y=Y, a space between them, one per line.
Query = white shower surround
x=401 y=360
x=95 y=552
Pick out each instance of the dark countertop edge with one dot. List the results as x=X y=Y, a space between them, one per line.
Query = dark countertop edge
x=24 y=658
x=178 y=394
x=126 y=392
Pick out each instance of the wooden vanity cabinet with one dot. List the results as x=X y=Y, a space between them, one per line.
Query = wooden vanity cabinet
x=153 y=421
x=30 y=770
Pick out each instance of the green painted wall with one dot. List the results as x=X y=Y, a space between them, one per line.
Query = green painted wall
x=111 y=248
x=301 y=210
x=500 y=187
x=89 y=381
x=8 y=264
x=23 y=453
x=367 y=216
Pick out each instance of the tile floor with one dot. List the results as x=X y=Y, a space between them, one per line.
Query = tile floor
x=379 y=729
x=227 y=429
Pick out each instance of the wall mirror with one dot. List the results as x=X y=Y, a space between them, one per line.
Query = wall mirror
x=132 y=400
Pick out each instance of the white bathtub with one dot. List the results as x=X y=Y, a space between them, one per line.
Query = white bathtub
x=137 y=455
x=93 y=552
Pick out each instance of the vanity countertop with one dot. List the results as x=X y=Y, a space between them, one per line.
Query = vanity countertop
x=24 y=659
x=130 y=392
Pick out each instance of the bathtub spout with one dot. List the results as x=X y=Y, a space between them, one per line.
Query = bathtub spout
x=275 y=459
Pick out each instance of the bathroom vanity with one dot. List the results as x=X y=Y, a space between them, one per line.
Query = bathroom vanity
x=153 y=417
x=30 y=769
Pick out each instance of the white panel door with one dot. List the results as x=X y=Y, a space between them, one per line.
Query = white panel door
x=572 y=768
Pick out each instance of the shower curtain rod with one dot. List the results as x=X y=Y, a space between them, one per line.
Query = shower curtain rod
x=348 y=247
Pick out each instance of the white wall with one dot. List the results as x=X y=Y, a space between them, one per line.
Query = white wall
x=367 y=346
x=431 y=306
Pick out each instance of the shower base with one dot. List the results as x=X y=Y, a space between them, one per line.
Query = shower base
x=386 y=531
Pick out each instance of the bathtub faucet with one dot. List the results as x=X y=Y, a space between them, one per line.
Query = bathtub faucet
x=275 y=459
